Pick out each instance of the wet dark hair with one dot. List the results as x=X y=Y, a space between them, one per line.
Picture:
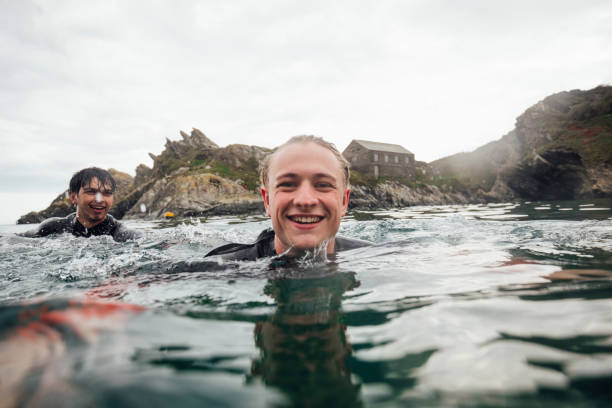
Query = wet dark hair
x=82 y=178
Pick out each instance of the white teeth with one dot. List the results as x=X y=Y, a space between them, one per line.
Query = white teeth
x=306 y=220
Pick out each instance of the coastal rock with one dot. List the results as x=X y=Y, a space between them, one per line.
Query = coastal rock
x=560 y=148
x=195 y=146
x=123 y=181
x=59 y=207
x=197 y=194
x=393 y=194
x=602 y=181
x=143 y=174
x=122 y=206
x=557 y=174
x=238 y=155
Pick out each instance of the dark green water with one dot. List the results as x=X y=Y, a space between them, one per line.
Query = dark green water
x=452 y=306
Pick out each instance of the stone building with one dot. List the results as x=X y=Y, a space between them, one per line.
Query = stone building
x=380 y=159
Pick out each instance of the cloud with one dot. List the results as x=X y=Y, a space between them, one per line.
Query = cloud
x=106 y=82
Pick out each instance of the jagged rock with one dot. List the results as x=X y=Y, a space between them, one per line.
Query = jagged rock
x=560 y=148
x=393 y=194
x=194 y=195
x=122 y=206
x=238 y=154
x=557 y=174
x=602 y=181
x=177 y=153
x=143 y=174
x=123 y=181
x=59 y=207
x=196 y=141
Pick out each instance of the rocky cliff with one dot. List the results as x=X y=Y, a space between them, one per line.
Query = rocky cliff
x=195 y=177
x=560 y=148
x=393 y=194
x=188 y=193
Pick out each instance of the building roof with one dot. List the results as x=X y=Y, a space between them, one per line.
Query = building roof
x=382 y=147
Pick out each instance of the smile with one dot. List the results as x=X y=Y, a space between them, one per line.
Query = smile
x=301 y=219
x=96 y=207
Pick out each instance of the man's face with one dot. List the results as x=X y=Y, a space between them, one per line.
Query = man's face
x=92 y=202
x=305 y=196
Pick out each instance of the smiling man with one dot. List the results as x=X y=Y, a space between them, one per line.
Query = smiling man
x=305 y=189
x=92 y=192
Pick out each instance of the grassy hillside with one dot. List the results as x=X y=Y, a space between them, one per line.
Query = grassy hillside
x=574 y=121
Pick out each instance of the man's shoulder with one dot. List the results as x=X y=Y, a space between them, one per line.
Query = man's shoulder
x=344 y=243
x=262 y=247
x=53 y=225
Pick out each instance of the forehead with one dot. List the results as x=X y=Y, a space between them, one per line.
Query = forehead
x=96 y=184
x=304 y=159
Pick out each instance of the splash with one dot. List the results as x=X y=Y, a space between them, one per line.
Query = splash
x=311 y=257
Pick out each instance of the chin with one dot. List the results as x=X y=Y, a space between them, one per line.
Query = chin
x=308 y=243
x=96 y=217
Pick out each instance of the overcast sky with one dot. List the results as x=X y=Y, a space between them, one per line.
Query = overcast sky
x=104 y=82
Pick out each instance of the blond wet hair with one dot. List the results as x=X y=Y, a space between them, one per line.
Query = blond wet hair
x=264 y=166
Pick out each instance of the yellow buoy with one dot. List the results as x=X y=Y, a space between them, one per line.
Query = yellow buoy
x=169 y=214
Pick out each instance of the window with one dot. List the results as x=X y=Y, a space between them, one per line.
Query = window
x=386 y=158
x=407 y=160
x=375 y=156
x=396 y=159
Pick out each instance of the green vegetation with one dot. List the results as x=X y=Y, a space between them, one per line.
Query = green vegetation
x=201 y=161
x=360 y=179
x=169 y=164
x=591 y=139
x=248 y=173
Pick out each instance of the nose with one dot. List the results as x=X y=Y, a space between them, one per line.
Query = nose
x=305 y=196
x=98 y=197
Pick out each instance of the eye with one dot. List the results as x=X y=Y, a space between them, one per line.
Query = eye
x=286 y=184
x=324 y=185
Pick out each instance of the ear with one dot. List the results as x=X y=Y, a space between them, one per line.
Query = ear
x=266 y=199
x=73 y=197
x=345 y=201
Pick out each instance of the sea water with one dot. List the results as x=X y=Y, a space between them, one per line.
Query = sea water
x=451 y=306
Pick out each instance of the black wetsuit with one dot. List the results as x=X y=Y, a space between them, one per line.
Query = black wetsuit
x=264 y=247
x=57 y=225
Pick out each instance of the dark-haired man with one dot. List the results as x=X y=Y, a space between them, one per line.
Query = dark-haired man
x=305 y=189
x=91 y=191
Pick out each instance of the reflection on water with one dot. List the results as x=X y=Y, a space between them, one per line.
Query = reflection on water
x=478 y=305
x=303 y=345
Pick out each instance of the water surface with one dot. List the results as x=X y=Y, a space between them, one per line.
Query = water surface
x=452 y=306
